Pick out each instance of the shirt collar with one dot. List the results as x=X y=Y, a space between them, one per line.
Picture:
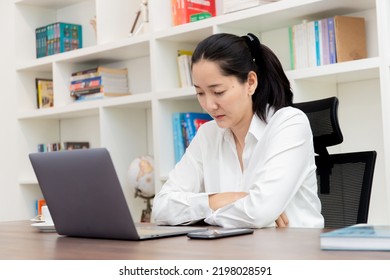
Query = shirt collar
x=256 y=128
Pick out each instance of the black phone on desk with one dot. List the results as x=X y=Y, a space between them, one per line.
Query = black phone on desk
x=219 y=233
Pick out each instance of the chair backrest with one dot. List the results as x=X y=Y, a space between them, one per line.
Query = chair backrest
x=344 y=180
x=346 y=202
x=324 y=122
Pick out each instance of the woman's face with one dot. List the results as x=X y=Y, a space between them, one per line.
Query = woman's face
x=227 y=100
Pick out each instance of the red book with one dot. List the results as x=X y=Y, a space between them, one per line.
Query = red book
x=184 y=11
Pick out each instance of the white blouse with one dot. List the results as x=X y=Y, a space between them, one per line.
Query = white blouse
x=279 y=174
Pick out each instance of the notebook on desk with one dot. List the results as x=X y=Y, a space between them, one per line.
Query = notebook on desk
x=85 y=198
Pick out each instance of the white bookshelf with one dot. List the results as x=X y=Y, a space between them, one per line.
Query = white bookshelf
x=140 y=124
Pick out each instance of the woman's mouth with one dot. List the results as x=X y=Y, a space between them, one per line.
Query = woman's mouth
x=218 y=117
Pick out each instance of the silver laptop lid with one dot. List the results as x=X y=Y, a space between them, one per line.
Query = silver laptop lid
x=83 y=193
x=85 y=198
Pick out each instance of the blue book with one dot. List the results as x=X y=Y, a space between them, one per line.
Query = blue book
x=40 y=36
x=70 y=36
x=178 y=137
x=59 y=37
x=184 y=127
x=357 y=237
x=317 y=42
x=191 y=122
x=325 y=42
x=332 y=41
x=86 y=83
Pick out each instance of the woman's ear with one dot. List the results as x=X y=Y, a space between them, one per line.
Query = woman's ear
x=252 y=82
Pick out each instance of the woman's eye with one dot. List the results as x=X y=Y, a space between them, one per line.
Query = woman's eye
x=199 y=93
x=219 y=92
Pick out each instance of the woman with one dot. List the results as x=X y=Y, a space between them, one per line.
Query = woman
x=253 y=165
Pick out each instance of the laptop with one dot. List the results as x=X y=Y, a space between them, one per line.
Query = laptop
x=85 y=198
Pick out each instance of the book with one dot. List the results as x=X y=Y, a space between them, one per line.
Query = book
x=191 y=122
x=58 y=37
x=184 y=65
x=118 y=83
x=325 y=54
x=291 y=46
x=85 y=83
x=357 y=237
x=332 y=41
x=99 y=81
x=90 y=96
x=301 y=48
x=40 y=41
x=327 y=41
x=44 y=88
x=306 y=41
x=49 y=147
x=99 y=70
x=311 y=44
x=350 y=36
x=317 y=58
x=86 y=91
x=185 y=11
x=317 y=42
x=178 y=135
x=184 y=127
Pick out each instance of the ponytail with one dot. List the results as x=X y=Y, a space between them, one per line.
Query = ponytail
x=273 y=85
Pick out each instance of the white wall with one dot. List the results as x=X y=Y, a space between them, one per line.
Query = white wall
x=12 y=197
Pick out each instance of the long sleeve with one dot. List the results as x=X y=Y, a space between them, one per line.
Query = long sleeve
x=182 y=199
x=278 y=175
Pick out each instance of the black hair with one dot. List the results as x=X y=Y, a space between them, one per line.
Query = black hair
x=237 y=56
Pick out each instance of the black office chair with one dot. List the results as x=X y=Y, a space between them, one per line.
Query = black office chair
x=345 y=179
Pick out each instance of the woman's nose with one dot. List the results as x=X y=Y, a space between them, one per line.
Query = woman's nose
x=210 y=103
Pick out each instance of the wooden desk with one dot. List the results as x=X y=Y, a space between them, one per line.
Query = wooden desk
x=18 y=240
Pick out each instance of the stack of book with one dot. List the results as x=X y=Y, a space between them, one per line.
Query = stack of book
x=327 y=41
x=184 y=127
x=184 y=65
x=99 y=82
x=57 y=37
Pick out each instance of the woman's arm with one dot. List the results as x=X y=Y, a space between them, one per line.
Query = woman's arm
x=283 y=162
x=182 y=199
x=220 y=200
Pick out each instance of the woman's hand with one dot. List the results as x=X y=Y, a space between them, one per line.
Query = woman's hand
x=282 y=221
x=220 y=200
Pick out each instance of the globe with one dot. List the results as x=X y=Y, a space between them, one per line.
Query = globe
x=141 y=176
